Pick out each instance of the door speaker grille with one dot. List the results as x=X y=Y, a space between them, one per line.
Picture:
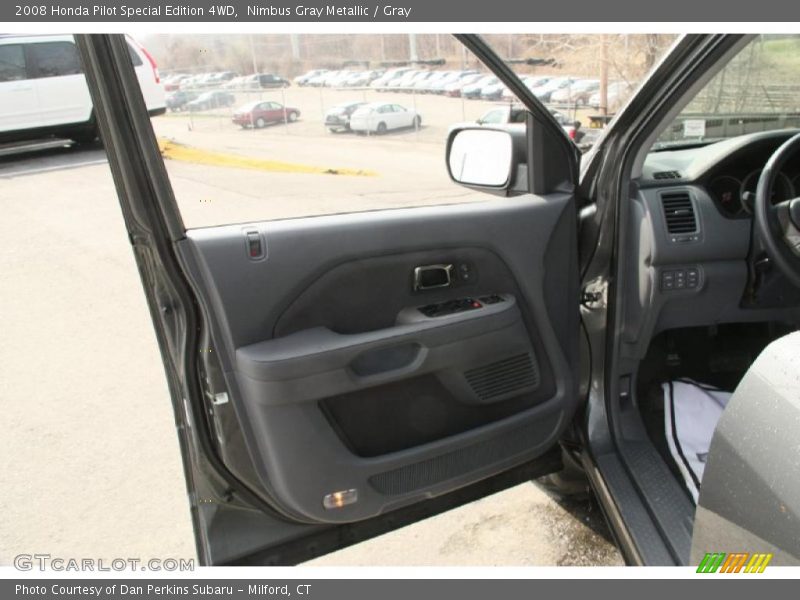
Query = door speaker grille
x=502 y=378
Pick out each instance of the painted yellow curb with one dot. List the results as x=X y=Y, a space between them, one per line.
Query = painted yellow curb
x=175 y=151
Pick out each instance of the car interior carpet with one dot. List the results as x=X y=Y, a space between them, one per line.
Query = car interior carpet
x=691 y=413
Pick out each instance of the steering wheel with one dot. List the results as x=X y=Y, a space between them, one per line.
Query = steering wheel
x=778 y=226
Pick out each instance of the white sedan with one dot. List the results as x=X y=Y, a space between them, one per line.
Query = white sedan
x=380 y=117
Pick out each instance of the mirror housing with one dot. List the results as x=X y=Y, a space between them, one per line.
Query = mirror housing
x=488 y=159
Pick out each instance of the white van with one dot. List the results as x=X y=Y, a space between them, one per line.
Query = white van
x=43 y=91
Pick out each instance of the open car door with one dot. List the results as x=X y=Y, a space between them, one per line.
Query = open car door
x=335 y=377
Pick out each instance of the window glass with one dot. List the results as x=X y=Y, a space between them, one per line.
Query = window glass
x=135 y=58
x=54 y=59
x=756 y=91
x=320 y=159
x=12 y=63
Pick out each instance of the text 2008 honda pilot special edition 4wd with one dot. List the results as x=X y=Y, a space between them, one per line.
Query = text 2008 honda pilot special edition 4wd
x=338 y=376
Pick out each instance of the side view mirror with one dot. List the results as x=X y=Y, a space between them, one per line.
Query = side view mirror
x=481 y=157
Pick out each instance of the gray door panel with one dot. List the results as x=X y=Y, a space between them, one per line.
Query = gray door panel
x=340 y=382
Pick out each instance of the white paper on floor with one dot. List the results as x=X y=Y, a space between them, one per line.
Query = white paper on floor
x=691 y=412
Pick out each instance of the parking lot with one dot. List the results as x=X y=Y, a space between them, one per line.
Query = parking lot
x=403 y=167
x=92 y=465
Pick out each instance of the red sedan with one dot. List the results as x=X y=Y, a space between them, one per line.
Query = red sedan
x=259 y=114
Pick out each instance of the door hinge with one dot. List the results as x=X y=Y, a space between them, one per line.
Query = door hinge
x=593 y=294
x=217 y=399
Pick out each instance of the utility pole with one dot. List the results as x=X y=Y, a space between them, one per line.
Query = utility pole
x=253 y=54
x=412 y=48
x=294 y=39
x=603 y=75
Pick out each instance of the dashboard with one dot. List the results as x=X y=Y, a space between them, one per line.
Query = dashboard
x=728 y=170
x=691 y=243
x=733 y=186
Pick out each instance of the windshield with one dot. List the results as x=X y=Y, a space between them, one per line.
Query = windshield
x=756 y=91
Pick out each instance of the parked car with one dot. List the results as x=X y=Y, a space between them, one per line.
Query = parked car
x=191 y=81
x=578 y=93
x=362 y=78
x=236 y=83
x=545 y=91
x=264 y=81
x=177 y=101
x=202 y=80
x=454 y=89
x=389 y=75
x=516 y=113
x=494 y=92
x=536 y=81
x=303 y=79
x=380 y=117
x=173 y=82
x=530 y=81
x=473 y=90
x=424 y=85
x=419 y=79
x=337 y=118
x=259 y=114
x=405 y=80
x=339 y=79
x=503 y=113
x=616 y=94
x=218 y=79
x=43 y=91
x=209 y=100
x=320 y=79
x=441 y=85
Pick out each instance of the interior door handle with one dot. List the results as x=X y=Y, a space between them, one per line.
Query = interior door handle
x=433 y=276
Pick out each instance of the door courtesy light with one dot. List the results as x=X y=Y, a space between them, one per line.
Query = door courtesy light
x=340 y=499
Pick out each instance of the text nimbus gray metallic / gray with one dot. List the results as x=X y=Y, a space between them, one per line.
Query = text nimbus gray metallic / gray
x=329 y=10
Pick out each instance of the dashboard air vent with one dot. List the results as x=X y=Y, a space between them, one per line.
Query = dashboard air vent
x=667 y=175
x=679 y=212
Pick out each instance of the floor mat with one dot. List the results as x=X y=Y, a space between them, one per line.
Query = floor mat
x=691 y=412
